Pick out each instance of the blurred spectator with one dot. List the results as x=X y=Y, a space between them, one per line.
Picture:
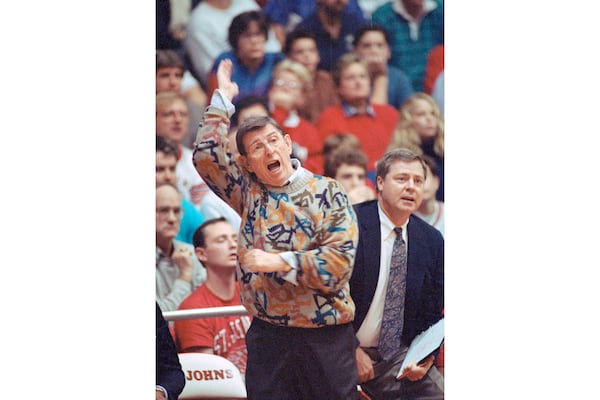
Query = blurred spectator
x=252 y=66
x=369 y=6
x=171 y=16
x=171 y=122
x=170 y=71
x=390 y=85
x=415 y=26
x=433 y=68
x=373 y=124
x=291 y=81
x=248 y=106
x=206 y=35
x=177 y=272
x=421 y=129
x=338 y=140
x=170 y=379
x=348 y=165
x=438 y=92
x=215 y=245
x=333 y=25
x=285 y=15
x=431 y=210
x=301 y=46
x=166 y=163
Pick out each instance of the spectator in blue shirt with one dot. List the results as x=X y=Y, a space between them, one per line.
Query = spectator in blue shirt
x=285 y=15
x=333 y=25
x=252 y=66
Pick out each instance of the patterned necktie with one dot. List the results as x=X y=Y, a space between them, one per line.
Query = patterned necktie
x=393 y=311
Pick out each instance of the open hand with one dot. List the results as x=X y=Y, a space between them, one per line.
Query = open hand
x=224 y=73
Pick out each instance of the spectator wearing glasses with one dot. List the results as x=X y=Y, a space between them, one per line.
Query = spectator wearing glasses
x=206 y=33
x=172 y=116
x=177 y=272
x=291 y=82
x=252 y=65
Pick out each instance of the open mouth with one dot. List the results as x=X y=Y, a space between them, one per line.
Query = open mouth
x=274 y=165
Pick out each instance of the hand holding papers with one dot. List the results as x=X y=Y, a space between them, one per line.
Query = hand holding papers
x=423 y=345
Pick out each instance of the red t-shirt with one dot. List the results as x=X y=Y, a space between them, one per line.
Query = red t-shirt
x=435 y=65
x=226 y=335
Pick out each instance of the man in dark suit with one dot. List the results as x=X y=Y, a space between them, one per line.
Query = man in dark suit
x=170 y=379
x=400 y=178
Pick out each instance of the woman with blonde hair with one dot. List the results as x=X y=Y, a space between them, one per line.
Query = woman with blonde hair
x=287 y=94
x=421 y=129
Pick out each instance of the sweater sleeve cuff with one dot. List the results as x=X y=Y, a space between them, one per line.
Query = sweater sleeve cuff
x=220 y=101
x=291 y=276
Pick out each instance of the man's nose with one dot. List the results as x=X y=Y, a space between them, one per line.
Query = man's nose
x=269 y=148
x=171 y=176
x=172 y=215
x=354 y=181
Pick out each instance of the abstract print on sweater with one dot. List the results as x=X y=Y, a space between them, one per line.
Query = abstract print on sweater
x=310 y=219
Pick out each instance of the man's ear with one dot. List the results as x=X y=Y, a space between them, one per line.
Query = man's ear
x=288 y=141
x=200 y=253
x=436 y=181
x=242 y=161
x=379 y=181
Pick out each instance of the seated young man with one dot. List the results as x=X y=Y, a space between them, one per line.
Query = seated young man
x=215 y=245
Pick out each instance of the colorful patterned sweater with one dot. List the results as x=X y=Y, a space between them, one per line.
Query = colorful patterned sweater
x=310 y=217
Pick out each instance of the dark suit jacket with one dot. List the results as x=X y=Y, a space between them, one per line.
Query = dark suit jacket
x=168 y=369
x=425 y=271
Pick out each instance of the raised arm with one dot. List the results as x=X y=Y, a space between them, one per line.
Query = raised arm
x=211 y=158
x=225 y=85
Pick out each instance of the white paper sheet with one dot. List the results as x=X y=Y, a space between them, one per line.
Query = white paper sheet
x=424 y=344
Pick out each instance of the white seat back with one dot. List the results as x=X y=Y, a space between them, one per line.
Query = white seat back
x=208 y=376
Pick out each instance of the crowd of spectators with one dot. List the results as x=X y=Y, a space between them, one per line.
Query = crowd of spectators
x=348 y=80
